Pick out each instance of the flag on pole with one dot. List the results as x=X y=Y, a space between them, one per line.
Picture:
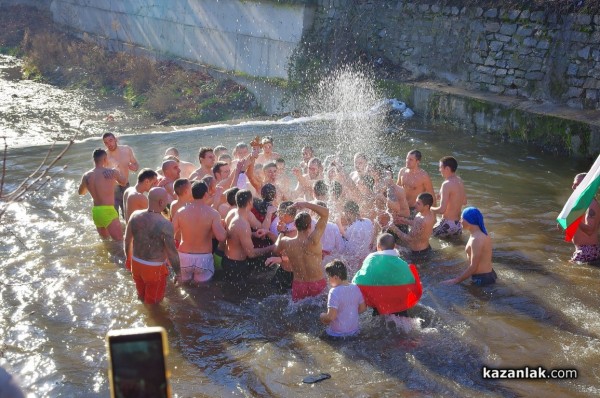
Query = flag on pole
x=574 y=210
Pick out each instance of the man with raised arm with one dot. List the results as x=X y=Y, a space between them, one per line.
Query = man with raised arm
x=149 y=243
x=120 y=157
x=305 y=252
x=267 y=155
x=304 y=188
x=198 y=224
x=100 y=182
x=452 y=199
x=238 y=245
x=187 y=168
x=207 y=160
x=414 y=179
x=421 y=227
x=134 y=198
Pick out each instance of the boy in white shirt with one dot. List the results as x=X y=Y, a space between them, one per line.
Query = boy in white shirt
x=344 y=303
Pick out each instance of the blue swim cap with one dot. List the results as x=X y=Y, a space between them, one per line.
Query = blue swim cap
x=472 y=215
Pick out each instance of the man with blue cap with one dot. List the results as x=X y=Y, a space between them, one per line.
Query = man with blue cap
x=479 y=251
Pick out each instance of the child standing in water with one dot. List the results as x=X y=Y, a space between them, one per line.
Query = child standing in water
x=344 y=303
x=479 y=251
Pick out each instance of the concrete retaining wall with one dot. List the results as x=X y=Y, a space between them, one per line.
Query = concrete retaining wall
x=247 y=37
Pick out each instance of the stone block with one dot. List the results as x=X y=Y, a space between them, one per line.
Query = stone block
x=455 y=11
x=534 y=66
x=520 y=82
x=508 y=28
x=435 y=8
x=496 y=46
x=501 y=72
x=492 y=27
x=476 y=58
x=572 y=69
x=591 y=95
x=485 y=69
x=575 y=82
x=478 y=12
x=502 y=38
x=534 y=75
x=502 y=63
x=584 y=52
x=524 y=31
x=582 y=19
x=543 y=45
x=580 y=37
x=590 y=82
x=552 y=19
x=523 y=93
x=597 y=19
x=496 y=89
x=514 y=14
x=486 y=79
x=513 y=63
x=525 y=51
x=489 y=61
x=512 y=92
x=524 y=14
x=537 y=16
x=424 y=7
x=510 y=47
x=574 y=92
x=508 y=81
x=499 y=55
x=519 y=73
x=575 y=103
x=511 y=72
x=491 y=13
x=530 y=42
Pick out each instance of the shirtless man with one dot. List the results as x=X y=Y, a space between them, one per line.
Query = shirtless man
x=149 y=244
x=305 y=182
x=452 y=199
x=120 y=157
x=360 y=167
x=269 y=177
x=307 y=154
x=414 y=179
x=238 y=246
x=100 y=182
x=304 y=252
x=585 y=239
x=198 y=224
x=207 y=160
x=171 y=172
x=479 y=251
x=134 y=198
x=187 y=168
x=267 y=155
x=421 y=227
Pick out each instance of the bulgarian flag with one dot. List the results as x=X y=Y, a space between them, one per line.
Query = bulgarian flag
x=388 y=283
x=574 y=210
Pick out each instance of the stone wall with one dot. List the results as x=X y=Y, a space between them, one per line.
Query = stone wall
x=251 y=38
x=514 y=52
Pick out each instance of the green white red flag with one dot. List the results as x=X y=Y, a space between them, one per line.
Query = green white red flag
x=574 y=210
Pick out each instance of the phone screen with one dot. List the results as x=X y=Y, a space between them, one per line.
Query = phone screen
x=138 y=365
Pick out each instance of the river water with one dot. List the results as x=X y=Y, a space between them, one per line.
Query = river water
x=62 y=288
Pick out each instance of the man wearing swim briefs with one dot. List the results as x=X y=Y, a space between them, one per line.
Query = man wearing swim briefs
x=452 y=199
x=198 y=224
x=305 y=252
x=120 y=157
x=100 y=182
x=238 y=245
x=149 y=243
x=134 y=198
x=414 y=179
x=479 y=251
x=585 y=239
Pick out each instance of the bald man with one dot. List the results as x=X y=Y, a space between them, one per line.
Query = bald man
x=171 y=172
x=187 y=168
x=149 y=243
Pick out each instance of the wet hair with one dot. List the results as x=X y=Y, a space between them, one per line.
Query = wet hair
x=199 y=189
x=98 y=154
x=386 y=241
x=302 y=221
x=358 y=155
x=337 y=268
x=426 y=198
x=317 y=161
x=225 y=157
x=287 y=208
x=242 y=198
x=268 y=192
x=417 y=154
x=203 y=151
x=335 y=188
x=179 y=184
x=280 y=160
x=308 y=148
x=230 y=195
x=217 y=167
x=320 y=188
x=269 y=165
x=146 y=174
x=241 y=145
x=166 y=163
x=109 y=134
x=352 y=207
x=208 y=180
x=219 y=149
x=174 y=151
x=449 y=161
x=267 y=139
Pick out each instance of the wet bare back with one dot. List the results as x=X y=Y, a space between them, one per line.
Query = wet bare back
x=100 y=182
x=198 y=224
x=152 y=236
x=238 y=236
x=453 y=193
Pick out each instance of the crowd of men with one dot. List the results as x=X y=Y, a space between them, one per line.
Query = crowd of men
x=242 y=213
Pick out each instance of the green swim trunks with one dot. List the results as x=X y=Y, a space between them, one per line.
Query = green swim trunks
x=104 y=215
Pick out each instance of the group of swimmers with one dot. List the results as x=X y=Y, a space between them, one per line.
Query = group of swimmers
x=243 y=214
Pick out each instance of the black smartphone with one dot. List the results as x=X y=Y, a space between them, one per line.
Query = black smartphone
x=136 y=363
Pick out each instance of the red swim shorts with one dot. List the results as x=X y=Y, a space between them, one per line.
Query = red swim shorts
x=302 y=290
x=150 y=279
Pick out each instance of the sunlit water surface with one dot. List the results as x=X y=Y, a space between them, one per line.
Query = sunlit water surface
x=62 y=288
